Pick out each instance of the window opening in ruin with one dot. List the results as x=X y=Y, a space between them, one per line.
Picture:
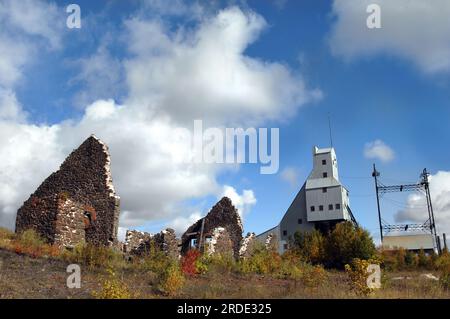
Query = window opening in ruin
x=88 y=216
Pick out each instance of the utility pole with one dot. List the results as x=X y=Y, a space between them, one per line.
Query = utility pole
x=445 y=241
x=426 y=185
x=375 y=175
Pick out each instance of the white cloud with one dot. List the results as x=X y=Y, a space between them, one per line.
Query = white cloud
x=243 y=202
x=180 y=224
x=205 y=73
x=10 y=109
x=13 y=57
x=35 y=18
x=415 y=30
x=101 y=74
x=416 y=210
x=25 y=27
x=290 y=175
x=173 y=77
x=28 y=152
x=379 y=150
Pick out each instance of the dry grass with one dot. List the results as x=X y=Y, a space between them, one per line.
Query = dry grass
x=25 y=277
x=29 y=275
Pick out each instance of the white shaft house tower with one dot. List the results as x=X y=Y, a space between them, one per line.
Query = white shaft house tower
x=321 y=203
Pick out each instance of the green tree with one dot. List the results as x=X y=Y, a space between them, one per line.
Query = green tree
x=310 y=246
x=347 y=242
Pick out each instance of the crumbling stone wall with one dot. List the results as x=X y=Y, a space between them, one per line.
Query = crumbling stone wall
x=141 y=243
x=70 y=224
x=84 y=178
x=167 y=242
x=223 y=214
x=220 y=242
x=134 y=240
x=271 y=242
x=248 y=245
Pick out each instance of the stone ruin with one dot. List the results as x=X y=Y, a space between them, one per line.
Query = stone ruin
x=78 y=202
x=248 y=245
x=271 y=242
x=140 y=243
x=218 y=232
x=220 y=242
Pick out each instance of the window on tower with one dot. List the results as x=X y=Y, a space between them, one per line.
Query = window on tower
x=313 y=208
x=324 y=162
x=330 y=207
x=324 y=190
x=338 y=206
x=325 y=174
x=321 y=207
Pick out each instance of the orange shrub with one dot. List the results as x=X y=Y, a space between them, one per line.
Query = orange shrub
x=189 y=261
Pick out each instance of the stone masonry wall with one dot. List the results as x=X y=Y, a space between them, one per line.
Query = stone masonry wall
x=220 y=242
x=85 y=178
x=141 y=243
x=248 y=245
x=70 y=224
x=223 y=214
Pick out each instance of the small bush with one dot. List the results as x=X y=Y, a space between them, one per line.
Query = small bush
x=153 y=260
x=220 y=263
x=172 y=281
x=357 y=272
x=443 y=266
x=189 y=262
x=93 y=256
x=262 y=261
x=6 y=238
x=202 y=264
x=313 y=275
x=345 y=243
x=112 y=288
x=30 y=243
x=401 y=259
x=289 y=270
x=310 y=246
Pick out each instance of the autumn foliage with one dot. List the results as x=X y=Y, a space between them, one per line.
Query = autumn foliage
x=189 y=261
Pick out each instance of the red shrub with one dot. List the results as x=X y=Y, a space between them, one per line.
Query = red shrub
x=188 y=262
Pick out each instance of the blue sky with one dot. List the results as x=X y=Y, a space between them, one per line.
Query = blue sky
x=381 y=85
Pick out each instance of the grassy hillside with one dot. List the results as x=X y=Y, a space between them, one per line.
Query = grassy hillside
x=29 y=268
x=26 y=277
